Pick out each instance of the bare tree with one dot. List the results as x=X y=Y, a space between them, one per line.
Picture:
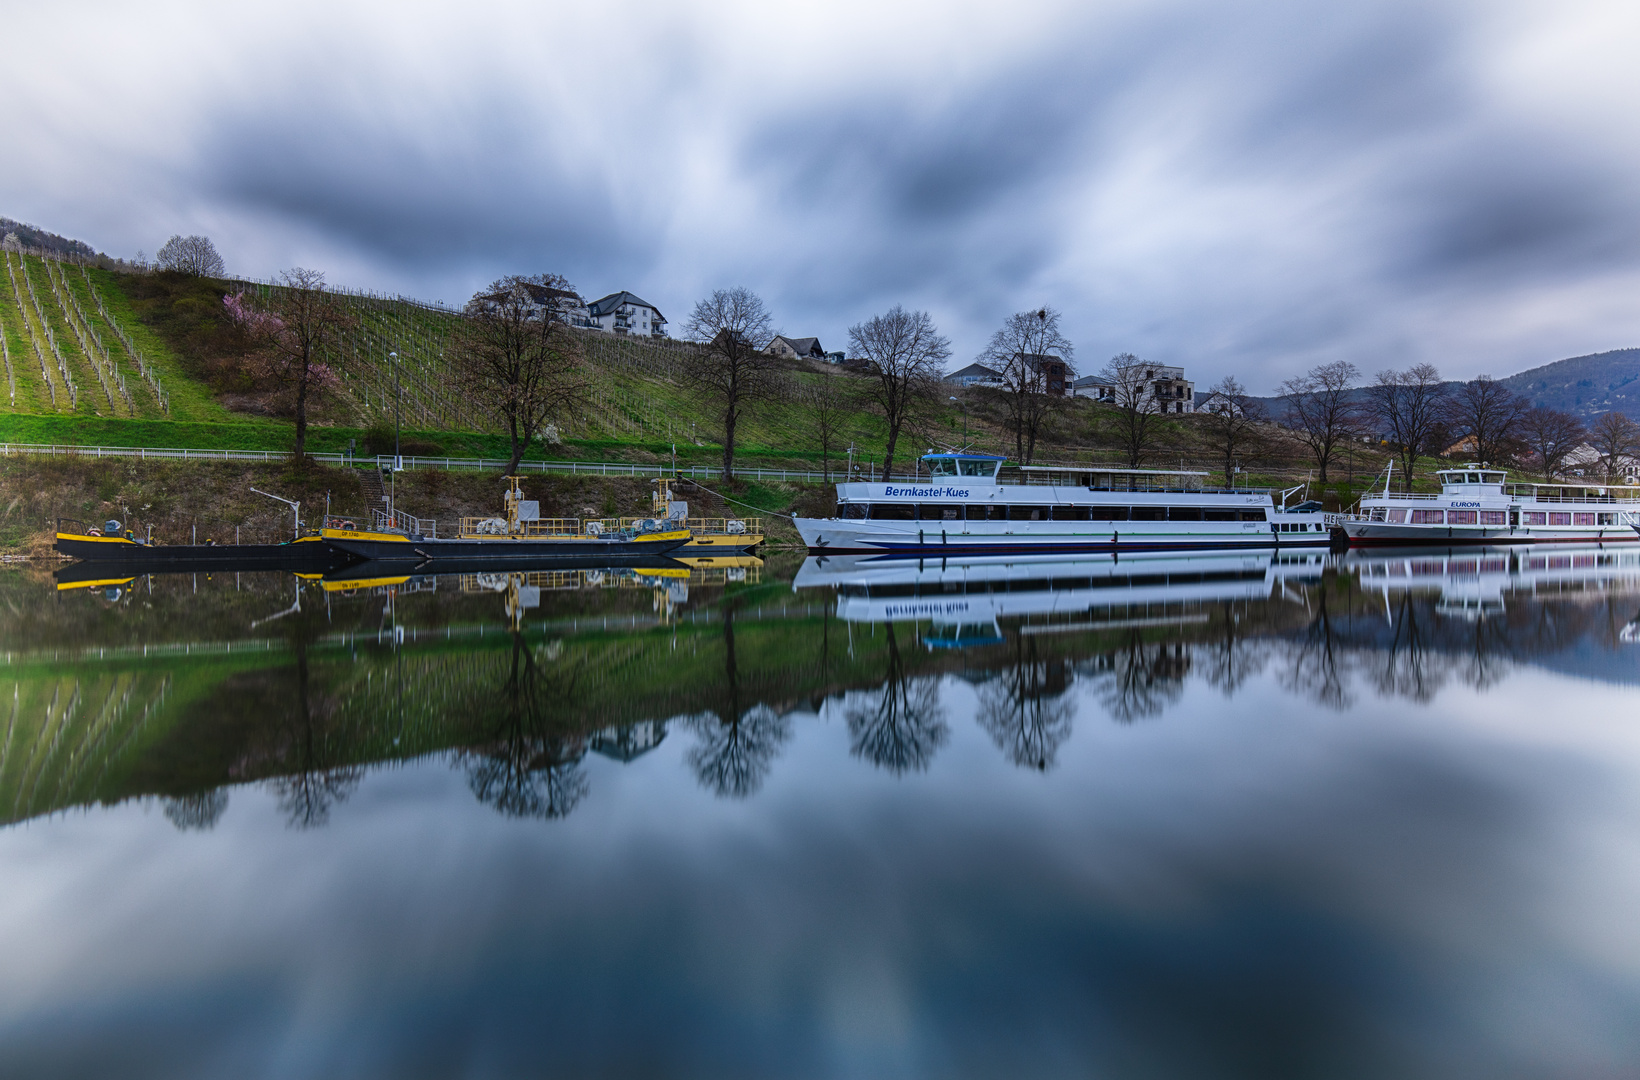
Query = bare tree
x=1320 y=411
x=1616 y=439
x=1023 y=350
x=1229 y=423
x=1552 y=435
x=831 y=402
x=732 y=370
x=1487 y=413
x=1410 y=407
x=295 y=336
x=905 y=352
x=516 y=358
x=1138 y=421
x=192 y=255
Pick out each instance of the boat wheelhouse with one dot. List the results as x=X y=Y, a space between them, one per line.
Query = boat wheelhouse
x=964 y=508
x=1479 y=505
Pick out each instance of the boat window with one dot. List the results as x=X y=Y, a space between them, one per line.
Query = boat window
x=1148 y=513
x=1534 y=517
x=893 y=511
x=977 y=467
x=1397 y=517
x=938 y=467
x=1185 y=513
x=852 y=510
x=1494 y=517
x=1560 y=519
x=940 y=512
x=1071 y=513
x=1110 y=513
x=1219 y=515
x=1428 y=517
x=1252 y=515
x=1026 y=513
x=1608 y=519
x=1495 y=477
x=1582 y=519
x=1460 y=517
x=984 y=512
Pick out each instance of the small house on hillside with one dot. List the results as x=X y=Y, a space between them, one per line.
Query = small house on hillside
x=568 y=305
x=800 y=348
x=1092 y=386
x=976 y=375
x=624 y=313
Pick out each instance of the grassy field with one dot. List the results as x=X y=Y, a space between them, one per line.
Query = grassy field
x=640 y=407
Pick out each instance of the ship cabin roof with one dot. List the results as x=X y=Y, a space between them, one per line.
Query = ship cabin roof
x=1114 y=477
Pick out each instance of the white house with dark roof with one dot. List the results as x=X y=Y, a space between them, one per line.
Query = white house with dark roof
x=976 y=375
x=624 y=313
x=794 y=348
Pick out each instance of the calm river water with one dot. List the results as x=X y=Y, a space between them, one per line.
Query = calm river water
x=1240 y=816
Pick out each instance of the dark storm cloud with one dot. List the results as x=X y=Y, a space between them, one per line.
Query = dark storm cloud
x=1422 y=183
x=1244 y=188
x=491 y=191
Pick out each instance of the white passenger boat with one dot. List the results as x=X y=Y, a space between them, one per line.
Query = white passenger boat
x=964 y=509
x=1480 y=506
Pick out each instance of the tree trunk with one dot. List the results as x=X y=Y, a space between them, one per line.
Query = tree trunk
x=518 y=447
x=301 y=414
x=888 y=455
x=729 y=419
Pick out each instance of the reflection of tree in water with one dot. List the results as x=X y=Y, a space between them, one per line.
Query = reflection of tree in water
x=1024 y=707
x=1141 y=678
x=1317 y=659
x=735 y=747
x=199 y=811
x=902 y=725
x=1487 y=659
x=524 y=768
x=1408 y=665
x=318 y=781
x=1230 y=659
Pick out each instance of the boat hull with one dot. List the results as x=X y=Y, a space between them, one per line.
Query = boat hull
x=834 y=536
x=304 y=554
x=1375 y=533
x=541 y=553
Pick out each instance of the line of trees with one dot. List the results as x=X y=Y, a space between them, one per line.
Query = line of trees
x=1416 y=413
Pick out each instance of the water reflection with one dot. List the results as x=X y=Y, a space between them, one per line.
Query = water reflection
x=1171 y=817
x=900 y=726
x=304 y=686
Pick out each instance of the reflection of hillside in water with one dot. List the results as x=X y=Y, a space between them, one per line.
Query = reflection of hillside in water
x=518 y=703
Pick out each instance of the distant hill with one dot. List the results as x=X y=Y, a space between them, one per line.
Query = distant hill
x=31 y=236
x=1585 y=386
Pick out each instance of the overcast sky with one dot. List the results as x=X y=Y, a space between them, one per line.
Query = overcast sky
x=1239 y=188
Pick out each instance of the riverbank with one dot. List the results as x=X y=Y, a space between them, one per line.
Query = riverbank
x=186 y=502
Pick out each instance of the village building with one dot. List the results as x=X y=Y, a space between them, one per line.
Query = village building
x=624 y=313
x=802 y=348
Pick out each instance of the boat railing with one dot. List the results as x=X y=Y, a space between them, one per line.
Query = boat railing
x=479 y=528
x=750 y=526
x=399 y=521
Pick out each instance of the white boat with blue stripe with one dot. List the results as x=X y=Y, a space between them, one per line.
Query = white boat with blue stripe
x=965 y=508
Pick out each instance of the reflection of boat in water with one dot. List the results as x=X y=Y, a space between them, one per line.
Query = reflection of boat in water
x=1474 y=583
x=964 y=599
